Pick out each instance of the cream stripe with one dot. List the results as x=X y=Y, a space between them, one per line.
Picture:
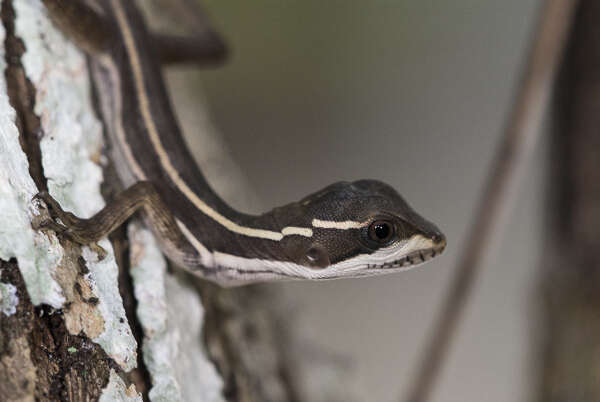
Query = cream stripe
x=293 y=230
x=344 y=225
x=162 y=154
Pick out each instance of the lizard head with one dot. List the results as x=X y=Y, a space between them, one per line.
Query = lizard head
x=358 y=228
x=346 y=230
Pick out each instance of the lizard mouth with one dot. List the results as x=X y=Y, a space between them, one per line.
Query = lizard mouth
x=413 y=258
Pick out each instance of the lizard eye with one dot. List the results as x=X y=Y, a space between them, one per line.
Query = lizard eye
x=381 y=231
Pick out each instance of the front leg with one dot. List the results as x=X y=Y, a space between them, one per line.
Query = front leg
x=141 y=196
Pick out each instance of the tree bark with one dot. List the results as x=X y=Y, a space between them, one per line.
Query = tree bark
x=569 y=337
x=128 y=327
x=63 y=329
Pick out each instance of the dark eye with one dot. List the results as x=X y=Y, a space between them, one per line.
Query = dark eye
x=381 y=231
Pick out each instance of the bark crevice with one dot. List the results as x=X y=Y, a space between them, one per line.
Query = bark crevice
x=21 y=96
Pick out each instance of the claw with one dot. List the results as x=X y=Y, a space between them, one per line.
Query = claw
x=55 y=209
x=50 y=202
x=99 y=250
x=46 y=197
x=56 y=212
x=39 y=196
x=65 y=228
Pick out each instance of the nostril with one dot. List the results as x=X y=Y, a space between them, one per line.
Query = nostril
x=439 y=239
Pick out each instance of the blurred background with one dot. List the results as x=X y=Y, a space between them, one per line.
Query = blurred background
x=414 y=93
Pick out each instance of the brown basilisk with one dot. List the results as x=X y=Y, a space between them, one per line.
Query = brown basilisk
x=348 y=229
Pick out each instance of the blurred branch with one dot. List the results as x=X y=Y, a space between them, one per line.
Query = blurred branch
x=568 y=337
x=518 y=141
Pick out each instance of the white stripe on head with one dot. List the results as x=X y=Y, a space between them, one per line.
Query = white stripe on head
x=293 y=230
x=344 y=225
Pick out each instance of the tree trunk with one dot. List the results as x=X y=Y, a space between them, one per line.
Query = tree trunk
x=570 y=331
x=128 y=327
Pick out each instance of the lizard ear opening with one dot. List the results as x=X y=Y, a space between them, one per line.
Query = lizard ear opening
x=317 y=257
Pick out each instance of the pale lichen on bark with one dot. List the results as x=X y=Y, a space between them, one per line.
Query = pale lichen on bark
x=72 y=139
x=37 y=254
x=8 y=298
x=173 y=351
x=57 y=73
x=117 y=391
